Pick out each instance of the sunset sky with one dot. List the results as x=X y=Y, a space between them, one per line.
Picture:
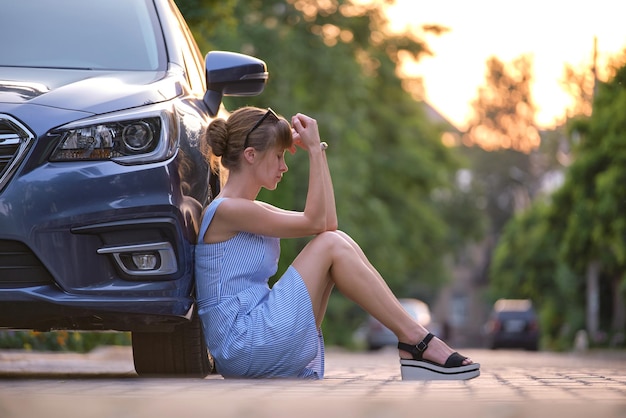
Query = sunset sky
x=554 y=32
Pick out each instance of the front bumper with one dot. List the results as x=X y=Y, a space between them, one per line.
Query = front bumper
x=64 y=229
x=45 y=308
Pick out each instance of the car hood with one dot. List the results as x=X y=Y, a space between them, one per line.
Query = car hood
x=87 y=90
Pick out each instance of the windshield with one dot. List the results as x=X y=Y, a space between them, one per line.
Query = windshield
x=79 y=34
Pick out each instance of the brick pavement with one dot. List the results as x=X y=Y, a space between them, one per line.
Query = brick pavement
x=512 y=384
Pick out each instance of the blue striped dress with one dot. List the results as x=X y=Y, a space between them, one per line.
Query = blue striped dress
x=253 y=330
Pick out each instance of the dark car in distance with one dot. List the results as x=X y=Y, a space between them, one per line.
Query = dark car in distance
x=103 y=104
x=513 y=324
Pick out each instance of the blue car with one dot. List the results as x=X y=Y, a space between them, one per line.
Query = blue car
x=103 y=105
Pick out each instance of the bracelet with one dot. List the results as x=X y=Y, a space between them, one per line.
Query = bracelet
x=323 y=145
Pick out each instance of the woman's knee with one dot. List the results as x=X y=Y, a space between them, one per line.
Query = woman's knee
x=345 y=236
x=332 y=241
x=328 y=237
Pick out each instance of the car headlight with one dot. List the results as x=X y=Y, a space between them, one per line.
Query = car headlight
x=132 y=137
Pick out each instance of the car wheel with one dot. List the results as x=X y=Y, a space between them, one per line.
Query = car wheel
x=182 y=352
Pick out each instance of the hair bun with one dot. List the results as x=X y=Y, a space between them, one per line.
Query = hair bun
x=217 y=137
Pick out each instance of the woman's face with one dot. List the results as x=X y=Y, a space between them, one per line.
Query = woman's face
x=271 y=168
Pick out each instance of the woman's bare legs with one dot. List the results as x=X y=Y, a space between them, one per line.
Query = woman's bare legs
x=333 y=258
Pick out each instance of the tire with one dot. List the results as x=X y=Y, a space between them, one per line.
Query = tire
x=181 y=353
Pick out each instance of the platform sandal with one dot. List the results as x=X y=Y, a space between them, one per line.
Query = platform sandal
x=419 y=368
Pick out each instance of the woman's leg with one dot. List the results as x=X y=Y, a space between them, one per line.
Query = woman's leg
x=334 y=259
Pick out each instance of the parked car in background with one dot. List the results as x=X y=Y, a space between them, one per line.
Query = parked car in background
x=512 y=324
x=103 y=105
x=377 y=335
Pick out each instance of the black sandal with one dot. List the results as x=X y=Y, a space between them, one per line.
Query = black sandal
x=421 y=369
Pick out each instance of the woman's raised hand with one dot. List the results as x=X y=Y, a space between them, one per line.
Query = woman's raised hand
x=305 y=132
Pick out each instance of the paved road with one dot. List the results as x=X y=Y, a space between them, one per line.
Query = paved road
x=512 y=384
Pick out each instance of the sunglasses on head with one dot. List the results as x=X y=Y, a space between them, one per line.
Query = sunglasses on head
x=256 y=125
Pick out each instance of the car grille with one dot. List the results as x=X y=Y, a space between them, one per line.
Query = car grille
x=14 y=142
x=20 y=267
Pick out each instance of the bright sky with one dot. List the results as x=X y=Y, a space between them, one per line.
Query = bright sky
x=555 y=32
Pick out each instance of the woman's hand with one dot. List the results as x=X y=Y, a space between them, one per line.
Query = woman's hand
x=305 y=132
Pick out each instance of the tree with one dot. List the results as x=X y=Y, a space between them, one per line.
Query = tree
x=501 y=139
x=580 y=87
x=590 y=207
x=504 y=113
x=570 y=250
x=207 y=18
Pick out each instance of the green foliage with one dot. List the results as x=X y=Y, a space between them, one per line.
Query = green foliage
x=589 y=209
x=207 y=17
x=525 y=265
x=61 y=340
x=544 y=253
x=503 y=180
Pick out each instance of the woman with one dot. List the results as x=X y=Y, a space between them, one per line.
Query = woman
x=254 y=331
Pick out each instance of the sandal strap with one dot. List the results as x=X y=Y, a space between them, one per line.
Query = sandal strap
x=417 y=350
x=455 y=360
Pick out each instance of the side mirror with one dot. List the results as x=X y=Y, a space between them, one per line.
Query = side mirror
x=232 y=74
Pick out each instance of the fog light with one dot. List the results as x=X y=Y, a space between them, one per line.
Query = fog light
x=146 y=261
